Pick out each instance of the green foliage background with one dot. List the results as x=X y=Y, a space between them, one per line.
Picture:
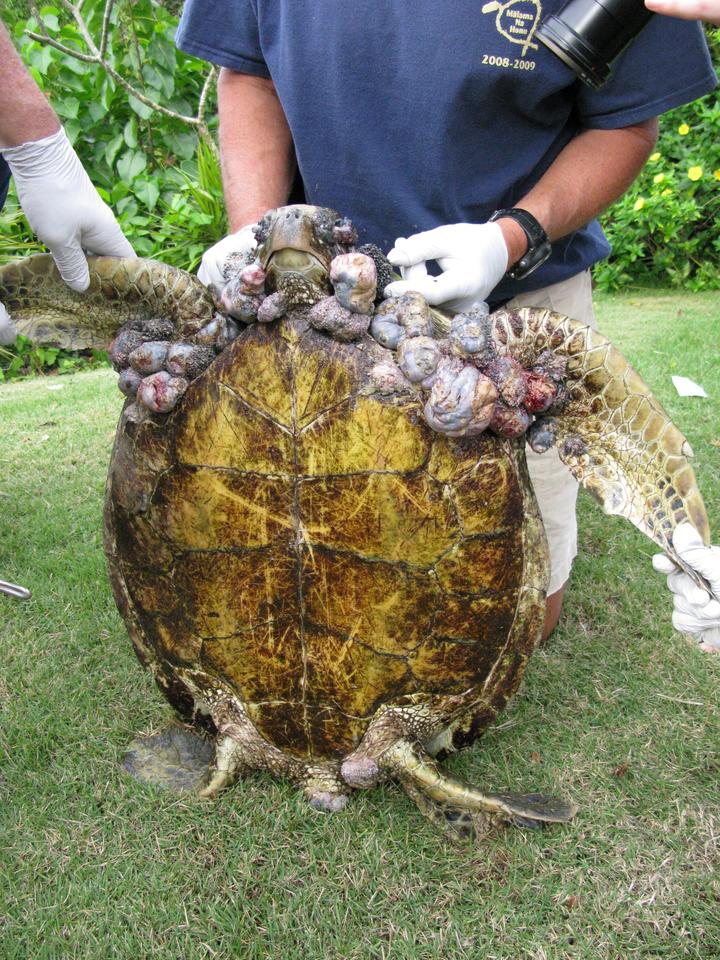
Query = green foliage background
x=160 y=178
x=664 y=231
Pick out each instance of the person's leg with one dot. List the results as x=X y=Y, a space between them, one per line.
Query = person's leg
x=555 y=487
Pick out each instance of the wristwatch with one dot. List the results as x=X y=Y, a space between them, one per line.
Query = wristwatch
x=539 y=247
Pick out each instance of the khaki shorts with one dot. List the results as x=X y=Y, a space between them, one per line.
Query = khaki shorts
x=555 y=487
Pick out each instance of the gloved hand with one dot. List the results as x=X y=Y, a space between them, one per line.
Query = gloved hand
x=7 y=328
x=696 y=612
x=211 y=271
x=63 y=207
x=472 y=256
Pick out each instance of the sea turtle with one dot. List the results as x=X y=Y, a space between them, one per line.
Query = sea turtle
x=322 y=537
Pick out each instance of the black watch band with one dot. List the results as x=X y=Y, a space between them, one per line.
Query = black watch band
x=539 y=248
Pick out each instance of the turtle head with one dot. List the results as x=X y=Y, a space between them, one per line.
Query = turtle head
x=301 y=239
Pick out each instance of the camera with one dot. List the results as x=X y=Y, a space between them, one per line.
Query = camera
x=588 y=35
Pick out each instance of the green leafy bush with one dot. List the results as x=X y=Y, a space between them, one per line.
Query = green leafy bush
x=664 y=230
x=25 y=359
x=164 y=189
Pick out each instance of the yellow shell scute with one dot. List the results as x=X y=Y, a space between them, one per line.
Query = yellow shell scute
x=384 y=516
x=483 y=564
x=227 y=593
x=200 y=508
x=362 y=435
x=344 y=671
x=382 y=605
x=321 y=382
x=260 y=376
x=221 y=430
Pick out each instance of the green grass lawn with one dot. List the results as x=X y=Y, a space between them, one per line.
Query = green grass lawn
x=617 y=713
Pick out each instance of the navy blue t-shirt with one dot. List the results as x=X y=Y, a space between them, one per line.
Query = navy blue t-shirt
x=409 y=116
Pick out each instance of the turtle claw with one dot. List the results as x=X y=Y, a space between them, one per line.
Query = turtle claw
x=177 y=758
x=228 y=765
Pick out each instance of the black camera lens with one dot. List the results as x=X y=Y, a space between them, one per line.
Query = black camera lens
x=588 y=35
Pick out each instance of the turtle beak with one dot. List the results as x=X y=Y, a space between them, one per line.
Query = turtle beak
x=296 y=260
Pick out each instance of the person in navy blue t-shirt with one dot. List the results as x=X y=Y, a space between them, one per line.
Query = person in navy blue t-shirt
x=421 y=121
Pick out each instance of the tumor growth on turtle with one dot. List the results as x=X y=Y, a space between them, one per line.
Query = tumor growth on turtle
x=319 y=524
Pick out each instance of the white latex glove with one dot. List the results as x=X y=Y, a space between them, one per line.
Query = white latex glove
x=211 y=271
x=696 y=612
x=63 y=207
x=472 y=256
x=8 y=333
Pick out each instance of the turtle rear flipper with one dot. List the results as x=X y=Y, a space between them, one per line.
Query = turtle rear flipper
x=611 y=432
x=460 y=810
x=176 y=758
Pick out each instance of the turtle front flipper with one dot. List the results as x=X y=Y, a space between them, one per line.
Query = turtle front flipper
x=609 y=430
x=460 y=810
x=46 y=311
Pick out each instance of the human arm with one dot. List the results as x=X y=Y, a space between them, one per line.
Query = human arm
x=58 y=199
x=257 y=160
x=25 y=114
x=708 y=10
x=257 y=156
x=591 y=172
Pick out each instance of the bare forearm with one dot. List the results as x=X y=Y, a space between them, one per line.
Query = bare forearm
x=25 y=114
x=590 y=174
x=258 y=160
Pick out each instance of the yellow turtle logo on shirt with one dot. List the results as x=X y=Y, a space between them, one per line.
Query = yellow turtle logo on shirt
x=516 y=20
